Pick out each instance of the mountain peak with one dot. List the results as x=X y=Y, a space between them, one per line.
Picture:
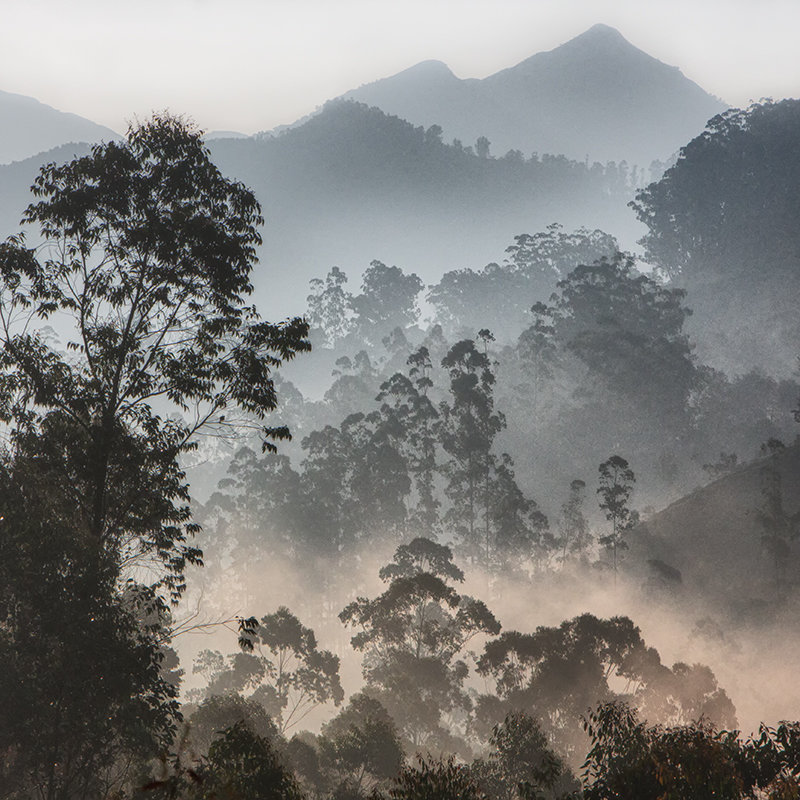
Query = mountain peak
x=596 y=95
x=606 y=31
x=431 y=66
x=598 y=38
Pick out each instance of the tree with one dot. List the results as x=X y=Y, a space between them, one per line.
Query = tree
x=778 y=527
x=329 y=306
x=361 y=746
x=469 y=426
x=630 y=760
x=721 y=223
x=519 y=532
x=521 y=765
x=147 y=254
x=388 y=300
x=257 y=514
x=627 y=331
x=556 y=673
x=356 y=479
x=442 y=779
x=413 y=635
x=243 y=765
x=537 y=351
x=286 y=673
x=414 y=421
x=575 y=537
x=87 y=689
x=240 y=764
x=616 y=486
x=500 y=295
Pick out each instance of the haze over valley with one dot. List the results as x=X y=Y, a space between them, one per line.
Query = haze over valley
x=440 y=442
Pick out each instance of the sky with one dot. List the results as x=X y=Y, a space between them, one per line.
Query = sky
x=249 y=65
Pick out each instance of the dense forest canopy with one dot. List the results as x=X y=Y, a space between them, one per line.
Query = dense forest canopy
x=526 y=534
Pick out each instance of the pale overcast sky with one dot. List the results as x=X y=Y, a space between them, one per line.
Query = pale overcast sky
x=249 y=65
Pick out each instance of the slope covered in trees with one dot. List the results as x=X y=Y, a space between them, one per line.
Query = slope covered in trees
x=722 y=223
x=465 y=517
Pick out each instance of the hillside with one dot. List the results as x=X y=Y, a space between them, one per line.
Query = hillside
x=28 y=127
x=595 y=96
x=352 y=184
x=714 y=535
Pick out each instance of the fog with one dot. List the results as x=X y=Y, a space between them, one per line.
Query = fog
x=443 y=432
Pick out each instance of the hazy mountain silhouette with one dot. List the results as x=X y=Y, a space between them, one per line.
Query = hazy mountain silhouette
x=353 y=184
x=28 y=127
x=596 y=95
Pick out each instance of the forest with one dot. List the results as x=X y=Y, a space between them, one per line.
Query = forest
x=530 y=531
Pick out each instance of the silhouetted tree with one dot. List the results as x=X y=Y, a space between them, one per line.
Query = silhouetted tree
x=361 y=747
x=413 y=636
x=329 y=306
x=388 y=300
x=469 y=426
x=556 y=673
x=413 y=419
x=616 y=486
x=145 y=261
x=443 y=779
x=286 y=673
x=521 y=765
x=575 y=538
x=721 y=223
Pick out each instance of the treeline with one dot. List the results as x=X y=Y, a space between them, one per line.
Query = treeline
x=422 y=435
x=145 y=271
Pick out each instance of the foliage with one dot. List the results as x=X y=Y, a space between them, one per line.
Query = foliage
x=575 y=537
x=218 y=712
x=555 y=673
x=356 y=479
x=413 y=635
x=629 y=759
x=240 y=765
x=442 y=779
x=149 y=251
x=627 y=330
x=85 y=682
x=500 y=295
x=413 y=420
x=144 y=265
x=388 y=300
x=361 y=746
x=721 y=222
x=730 y=200
x=616 y=487
x=329 y=306
x=778 y=527
x=521 y=765
x=286 y=673
x=469 y=426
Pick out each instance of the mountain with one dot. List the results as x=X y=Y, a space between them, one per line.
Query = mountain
x=595 y=96
x=353 y=184
x=28 y=127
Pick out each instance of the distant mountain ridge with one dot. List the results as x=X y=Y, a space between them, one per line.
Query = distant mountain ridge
x=595 y=96
x=28 y=127
x=353 y=184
